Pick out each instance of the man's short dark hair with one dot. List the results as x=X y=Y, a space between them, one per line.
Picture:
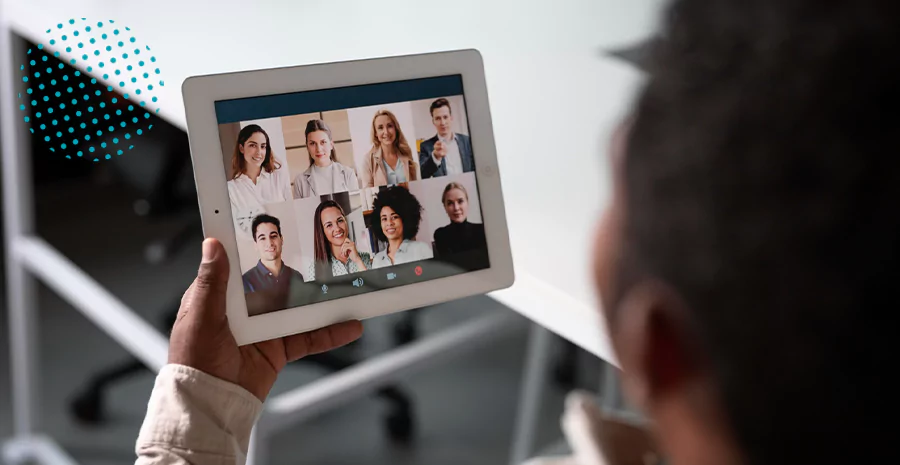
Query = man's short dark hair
x=265 y=219
x=406 y=206
x=762 y=184
x=441 y=102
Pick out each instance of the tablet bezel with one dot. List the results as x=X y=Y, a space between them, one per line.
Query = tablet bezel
x=200 y=94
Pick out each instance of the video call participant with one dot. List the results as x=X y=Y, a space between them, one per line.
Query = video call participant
x=397 y=214
x=448 y=152
x=324 y=175
x=460 y=235
x=335 y=253
x=258 y=178
x=390 y=160
x=271 y=277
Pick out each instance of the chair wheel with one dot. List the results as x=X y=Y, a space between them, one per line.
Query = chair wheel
x=565 y=374
x=404 y=333
x=399 y=426
x=87 y=407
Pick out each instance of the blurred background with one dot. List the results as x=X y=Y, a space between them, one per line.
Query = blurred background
x=132 y=224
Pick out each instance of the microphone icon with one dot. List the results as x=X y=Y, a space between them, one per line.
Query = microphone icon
x=324 y=289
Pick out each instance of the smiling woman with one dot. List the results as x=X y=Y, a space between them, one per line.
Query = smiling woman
x=335 y=251
x=324 y=175
x=396 y=217
x=389 y=161
x=257 y=177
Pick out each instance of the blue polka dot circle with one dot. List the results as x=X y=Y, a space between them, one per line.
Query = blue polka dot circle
x=66 y=115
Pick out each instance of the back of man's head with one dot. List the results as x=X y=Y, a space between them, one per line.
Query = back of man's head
x=762 y=181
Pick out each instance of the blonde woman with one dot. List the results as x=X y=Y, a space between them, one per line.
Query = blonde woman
x=390 y=160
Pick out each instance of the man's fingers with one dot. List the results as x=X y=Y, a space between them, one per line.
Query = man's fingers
x=321 y=340
x=207 y=293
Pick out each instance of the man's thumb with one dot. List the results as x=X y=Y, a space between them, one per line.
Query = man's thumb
x=213 y=272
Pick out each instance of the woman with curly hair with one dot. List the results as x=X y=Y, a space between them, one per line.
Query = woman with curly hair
x=397 y=214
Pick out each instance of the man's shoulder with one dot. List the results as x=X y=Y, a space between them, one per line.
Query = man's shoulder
x=250 y=273
x=462 y=138
x=294 y=273
x=430 y=142
x=250 y=280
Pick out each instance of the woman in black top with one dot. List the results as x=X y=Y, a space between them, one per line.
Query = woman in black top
x=460 y=235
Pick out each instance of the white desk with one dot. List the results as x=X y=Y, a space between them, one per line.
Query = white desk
x=554 y=99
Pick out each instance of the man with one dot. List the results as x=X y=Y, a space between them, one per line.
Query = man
x=271 y=281
x=746 y=263
x=447 y=153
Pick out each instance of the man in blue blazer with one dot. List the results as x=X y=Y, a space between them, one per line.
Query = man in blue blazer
x=447 y=153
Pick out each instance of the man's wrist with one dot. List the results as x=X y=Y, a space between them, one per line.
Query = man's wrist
x=195 y=411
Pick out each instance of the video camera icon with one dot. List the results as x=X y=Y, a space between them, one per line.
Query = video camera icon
x=324 y=289
x=358 y=282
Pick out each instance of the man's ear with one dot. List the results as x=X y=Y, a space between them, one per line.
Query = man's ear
x=653 y=341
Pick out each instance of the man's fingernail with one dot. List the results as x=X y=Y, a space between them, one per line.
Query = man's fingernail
x=209 y=250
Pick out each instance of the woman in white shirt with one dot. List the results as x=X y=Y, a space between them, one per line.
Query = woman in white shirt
x=324 y=175
x=258 y=178
x=390 y=160
x=397 y=214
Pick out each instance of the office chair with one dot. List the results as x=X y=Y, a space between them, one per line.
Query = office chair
x=172 y=192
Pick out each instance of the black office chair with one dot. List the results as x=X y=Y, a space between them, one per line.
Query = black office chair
x=89 y=405
x=173 y=193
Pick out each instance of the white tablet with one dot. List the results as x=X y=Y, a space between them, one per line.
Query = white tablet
x=349 y=190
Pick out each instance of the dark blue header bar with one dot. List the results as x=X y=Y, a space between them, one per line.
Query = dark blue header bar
x=271 y=106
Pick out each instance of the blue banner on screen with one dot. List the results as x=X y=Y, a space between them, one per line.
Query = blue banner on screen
x=269 y=106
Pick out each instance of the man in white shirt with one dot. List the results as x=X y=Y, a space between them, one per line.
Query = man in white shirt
x=447 y=153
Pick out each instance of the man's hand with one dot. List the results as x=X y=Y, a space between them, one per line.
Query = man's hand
x=440 y=150
x=201 y=337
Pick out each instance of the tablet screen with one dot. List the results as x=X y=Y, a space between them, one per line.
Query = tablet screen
x=343 y=191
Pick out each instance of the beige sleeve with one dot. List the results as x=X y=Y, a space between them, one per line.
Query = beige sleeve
x=367 y=175
x=194 y=418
